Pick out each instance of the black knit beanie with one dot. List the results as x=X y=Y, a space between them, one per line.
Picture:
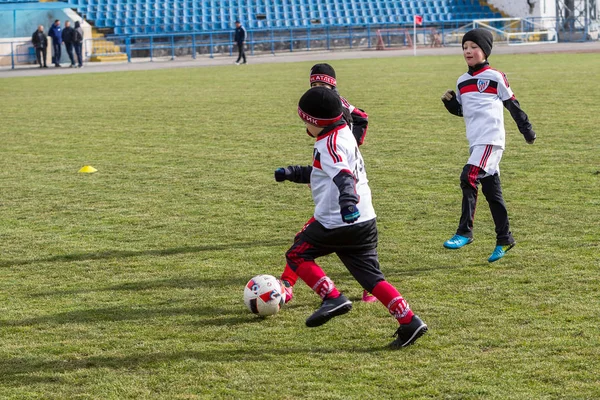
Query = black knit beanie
x=320 y=106
x=482 y=37
x=323 y=73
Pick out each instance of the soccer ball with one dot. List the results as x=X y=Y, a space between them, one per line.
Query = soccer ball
x=263 y=295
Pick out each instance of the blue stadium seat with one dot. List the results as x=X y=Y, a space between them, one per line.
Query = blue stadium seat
x=202 y=15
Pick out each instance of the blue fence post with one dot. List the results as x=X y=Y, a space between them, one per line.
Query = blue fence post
x=308 y=38
x=291 y=40
x=172 y=47
x=272 y=43
x=12 y=55
x=251 y=43
x=210 y=35
x=443 y=38
x=194 y=46
x=128 y=48
x=350 y=36
x=230 y=44
x=151 y=49
x=369 y=36
x=327 y=32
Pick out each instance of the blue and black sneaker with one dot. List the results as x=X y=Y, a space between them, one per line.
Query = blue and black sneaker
x=500 y=251
x=457 y=241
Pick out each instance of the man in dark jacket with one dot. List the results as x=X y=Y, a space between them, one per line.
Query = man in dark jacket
x=40 y=44
x=240 y=38
x=55 y=33
x=78 y=43
x=67 y=37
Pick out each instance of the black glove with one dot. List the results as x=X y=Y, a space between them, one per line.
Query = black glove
x=530 y=137
x=282 y=174
x=350 y=213
x=451 y=103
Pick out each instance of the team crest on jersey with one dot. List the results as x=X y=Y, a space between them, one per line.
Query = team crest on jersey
x=482 y=84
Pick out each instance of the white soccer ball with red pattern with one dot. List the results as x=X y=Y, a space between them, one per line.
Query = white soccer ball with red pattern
x=263 y=295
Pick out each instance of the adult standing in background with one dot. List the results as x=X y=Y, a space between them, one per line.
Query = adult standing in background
x=78 y=43
x=67 y=37
x=55 y=33
x=240 y=38
x=40 y=44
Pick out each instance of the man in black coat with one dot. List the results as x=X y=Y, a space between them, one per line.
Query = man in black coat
x=68 y=34
x=40 y=44
x=240 y=38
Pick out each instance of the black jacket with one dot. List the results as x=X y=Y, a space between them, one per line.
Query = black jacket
x=39 y=40
x=68 y=35
x=240 y=35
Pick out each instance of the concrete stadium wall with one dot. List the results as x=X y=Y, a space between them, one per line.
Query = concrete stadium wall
x=27 y=22
x=22 y=54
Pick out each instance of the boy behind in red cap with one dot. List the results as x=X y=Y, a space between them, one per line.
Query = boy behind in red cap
x=344 y=221
x=481 y=94
x=323 y=75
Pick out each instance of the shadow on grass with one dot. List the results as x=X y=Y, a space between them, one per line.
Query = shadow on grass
x=200 y=316
x=110 y=254
x=423 y=270
x=27 y=371
x=338 y=276
x=174 y=283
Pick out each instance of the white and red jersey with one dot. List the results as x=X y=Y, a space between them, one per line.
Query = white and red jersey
x=336 y=154
x=360 y=121
x=347 y=104
x=481 y=96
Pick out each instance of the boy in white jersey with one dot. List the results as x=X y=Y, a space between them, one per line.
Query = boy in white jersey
x=481 y=94
x=324 y=75
x=344 y=219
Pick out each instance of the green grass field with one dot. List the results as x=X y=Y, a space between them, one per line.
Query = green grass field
x=127 y=283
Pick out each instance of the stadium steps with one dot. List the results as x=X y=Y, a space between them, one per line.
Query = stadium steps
x=105 y=50
x=109 y=58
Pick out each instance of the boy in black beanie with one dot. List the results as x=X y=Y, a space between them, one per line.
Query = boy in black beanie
x=481 y=94
x=323 y=75
x=344 y=220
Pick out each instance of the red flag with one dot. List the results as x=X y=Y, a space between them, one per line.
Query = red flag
x=418 y=19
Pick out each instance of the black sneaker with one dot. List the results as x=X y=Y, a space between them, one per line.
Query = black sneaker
x=407 y=334
x=329 y=308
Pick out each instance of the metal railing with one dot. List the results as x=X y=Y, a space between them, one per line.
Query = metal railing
x=21 y=52
x=259 y=41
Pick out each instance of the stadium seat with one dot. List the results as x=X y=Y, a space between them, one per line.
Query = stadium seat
x=202 y=15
